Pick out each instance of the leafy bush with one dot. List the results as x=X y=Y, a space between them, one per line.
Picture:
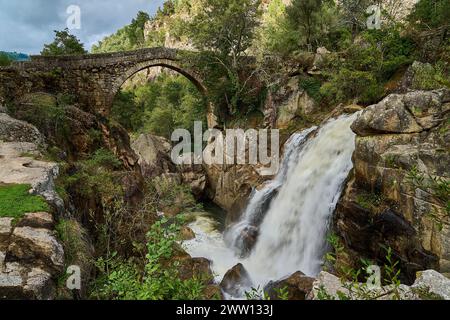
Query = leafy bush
x=5 y=60
x=429 y=77
x=157 y=279
x=15 y=201
x=64 y=44
x=362 y=70
x=429 y=14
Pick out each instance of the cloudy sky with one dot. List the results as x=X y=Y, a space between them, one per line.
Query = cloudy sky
x=26 y=25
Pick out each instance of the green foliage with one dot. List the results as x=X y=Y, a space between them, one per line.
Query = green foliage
x=428 y=14
x=305 y=18
x=429 y=77
x=94 y=175
x=64 y=44
x=157 y=279
x=130 y=37
x=5 y=60
x=225 y=26
x=362 y=70
x=370 y=201
x=312 y=87
x=76 y=246
x=223 y=32
x=48 y=115
x=15 y=201
x=161 y=106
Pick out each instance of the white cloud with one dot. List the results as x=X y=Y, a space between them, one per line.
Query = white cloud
x=26 y=25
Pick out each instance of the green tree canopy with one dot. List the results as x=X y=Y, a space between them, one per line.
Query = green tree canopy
x=64 y=44
x=225 y=26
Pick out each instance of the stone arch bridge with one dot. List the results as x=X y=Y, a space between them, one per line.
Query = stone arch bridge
x=95 y=79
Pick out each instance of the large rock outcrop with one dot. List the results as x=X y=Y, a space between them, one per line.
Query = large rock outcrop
x=31 y=257
x=397 y=196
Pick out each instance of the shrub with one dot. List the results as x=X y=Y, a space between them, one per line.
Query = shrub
x=5 y=60
x=156 y=279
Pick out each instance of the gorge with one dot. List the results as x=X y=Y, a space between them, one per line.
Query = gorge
x=88 y=177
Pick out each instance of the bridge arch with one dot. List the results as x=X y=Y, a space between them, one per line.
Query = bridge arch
x=165 y=63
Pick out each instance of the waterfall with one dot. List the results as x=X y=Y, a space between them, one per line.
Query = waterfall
x=260 y=199
x=292 y=236
x=291 y=213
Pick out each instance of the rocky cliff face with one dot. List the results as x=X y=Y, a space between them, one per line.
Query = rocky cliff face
x=398 y=194
x=31 y=256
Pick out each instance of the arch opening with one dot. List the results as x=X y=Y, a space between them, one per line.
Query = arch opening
x=158 y=98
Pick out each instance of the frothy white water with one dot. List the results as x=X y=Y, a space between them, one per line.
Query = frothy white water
x=259 y=199
x=292 y=235
x=293 y=229
x=209 y=243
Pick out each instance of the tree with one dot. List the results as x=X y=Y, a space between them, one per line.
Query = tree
x=354 y=14
x=64 y=44
x=305 y=14
x=223 y=30
x=226 y=27
x=5 y=60
x=135 y=31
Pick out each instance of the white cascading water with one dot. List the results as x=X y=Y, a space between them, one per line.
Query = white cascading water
x=259 y=199
x=292 y=234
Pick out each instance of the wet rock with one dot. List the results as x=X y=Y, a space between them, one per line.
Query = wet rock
x=247 y=240
x=236 y=281
x=187 y=233
x=39 y=220
x=36 y=246
x=192 y=174
x=297 y=287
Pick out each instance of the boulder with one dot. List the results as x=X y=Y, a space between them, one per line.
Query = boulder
x=17 y=167
x=36 y=247
x=388 y=116
x=187 y=233
x=192 y=174
x=297 y=103
x=154 y=155
x=236 y=281
x=13 y=130
x=434 y=283
x=297 y=287
x=195 y=268
x=383 y=205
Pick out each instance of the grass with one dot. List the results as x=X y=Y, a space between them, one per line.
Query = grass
x=15 y=201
